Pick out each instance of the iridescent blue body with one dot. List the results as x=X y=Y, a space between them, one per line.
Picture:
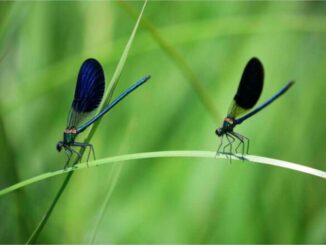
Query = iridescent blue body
x=248 y=93
x=88 y=95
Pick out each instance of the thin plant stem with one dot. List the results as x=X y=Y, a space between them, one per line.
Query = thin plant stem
x=46 y=216
x=185 y=68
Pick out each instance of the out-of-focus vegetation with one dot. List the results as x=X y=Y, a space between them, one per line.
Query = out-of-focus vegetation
x=42 y=45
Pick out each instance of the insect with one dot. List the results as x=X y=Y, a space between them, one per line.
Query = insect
x=88 y=95
x=247 y=95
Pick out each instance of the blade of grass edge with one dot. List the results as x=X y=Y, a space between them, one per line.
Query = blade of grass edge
x=108 y=97
x=169 y=154
x=118 y=70
x=184 y=67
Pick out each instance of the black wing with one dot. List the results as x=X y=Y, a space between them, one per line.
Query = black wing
x=250 y=88
x=89 y=91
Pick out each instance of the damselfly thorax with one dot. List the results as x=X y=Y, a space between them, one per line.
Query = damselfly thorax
x=227 y=126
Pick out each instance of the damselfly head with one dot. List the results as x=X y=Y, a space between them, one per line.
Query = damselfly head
x=219 y=132
x=59 y=146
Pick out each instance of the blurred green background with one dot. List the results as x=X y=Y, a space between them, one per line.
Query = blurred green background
x=42 y=45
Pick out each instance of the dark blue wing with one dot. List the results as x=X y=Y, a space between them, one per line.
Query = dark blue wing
x=90 y=87
x=89 y=91
x=250 y=88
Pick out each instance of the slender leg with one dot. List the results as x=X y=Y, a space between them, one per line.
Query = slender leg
x=68 y=153
x=241 y=141
x=230 y=142
x=92 y=148
x=219 y=147
x=89 y=153
x=71 y=151
x=77 y=153
x=67 y=149
x=227 y=138
x=233 y=139
x=240 y=138
x=245 y=140
x=85 y=145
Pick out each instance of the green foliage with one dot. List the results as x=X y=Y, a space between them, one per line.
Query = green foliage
x=42 y=45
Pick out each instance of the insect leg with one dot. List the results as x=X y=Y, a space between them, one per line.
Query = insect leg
x=67 y=151
x=71 y=151
x=219 y=147
x=77 y=153
x=226 y=136
x=85 y=145
x=240 y=138
x=245 y=140
x=91 y=148
x=230 y=142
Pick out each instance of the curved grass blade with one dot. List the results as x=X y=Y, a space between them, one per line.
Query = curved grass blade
x=168 y=154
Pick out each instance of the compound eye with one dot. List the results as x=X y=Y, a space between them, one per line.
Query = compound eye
x=218 y=132
x=59 y=147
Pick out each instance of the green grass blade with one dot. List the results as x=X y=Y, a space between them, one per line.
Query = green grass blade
x=195 y=82
x=46 y=216
x=168 y=154
x=122 y=61
x=117 y=73
x=113 y=180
